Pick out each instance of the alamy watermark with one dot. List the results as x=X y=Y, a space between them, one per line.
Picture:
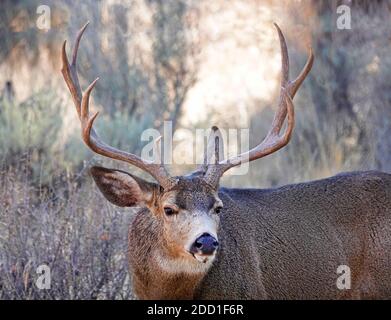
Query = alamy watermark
x=344 y=279
x=188 y=147
x=44 y=279
x=344 y=19
x=44 y=18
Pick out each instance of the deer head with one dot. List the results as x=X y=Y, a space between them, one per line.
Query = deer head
x=187 y=207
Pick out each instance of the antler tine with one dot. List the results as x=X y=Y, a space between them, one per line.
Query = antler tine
x=284 y=57
x=295 y=84
x=291 y=86
x=270 y=144
x=77 y=43
x=273 y=140
x=213 y=151
x=280 y=114
x=89 y=135
x=69 y=71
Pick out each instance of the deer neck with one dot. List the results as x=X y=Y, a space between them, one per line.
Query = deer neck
x=157 y=272
x=160 y=284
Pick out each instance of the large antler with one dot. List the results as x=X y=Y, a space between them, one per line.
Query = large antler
x=273 y=140
x=89 y=135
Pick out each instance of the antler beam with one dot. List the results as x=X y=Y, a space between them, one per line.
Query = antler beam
x=89 y=135
x=274 y=140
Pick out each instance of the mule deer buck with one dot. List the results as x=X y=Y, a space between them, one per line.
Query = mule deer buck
x=194 y=239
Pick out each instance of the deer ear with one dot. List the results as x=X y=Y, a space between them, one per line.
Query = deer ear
x=123 y=189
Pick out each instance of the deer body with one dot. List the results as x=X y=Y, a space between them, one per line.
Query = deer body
x=193 y=239
x=283 y=243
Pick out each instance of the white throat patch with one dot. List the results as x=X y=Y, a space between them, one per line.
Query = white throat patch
x=182 y=265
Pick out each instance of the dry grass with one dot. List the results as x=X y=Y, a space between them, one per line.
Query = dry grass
x=70 y=228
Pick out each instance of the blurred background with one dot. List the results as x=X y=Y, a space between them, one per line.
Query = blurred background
x=196 y=63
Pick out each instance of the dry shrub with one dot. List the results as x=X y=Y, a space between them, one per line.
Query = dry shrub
x=72 y=229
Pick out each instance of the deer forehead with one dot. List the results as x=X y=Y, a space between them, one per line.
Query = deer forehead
x=191 y=200
x=195 y=201
x=191 y=194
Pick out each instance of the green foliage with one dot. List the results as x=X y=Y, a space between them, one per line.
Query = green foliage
x=34 y=130
x=31 y=125
x=123 y=130
x=30 y=129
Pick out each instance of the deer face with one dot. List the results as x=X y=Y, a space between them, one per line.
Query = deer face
x=188 y=213
x=188 y=207
x=191 y=218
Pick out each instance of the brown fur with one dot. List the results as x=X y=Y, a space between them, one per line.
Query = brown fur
x=283 y=243
x=299 y=235
x=150 y=281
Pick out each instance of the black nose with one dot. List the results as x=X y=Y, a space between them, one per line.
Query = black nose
x=205 y=244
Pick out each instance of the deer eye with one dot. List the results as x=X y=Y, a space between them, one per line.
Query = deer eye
x=169 y=211
x=218 y=209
